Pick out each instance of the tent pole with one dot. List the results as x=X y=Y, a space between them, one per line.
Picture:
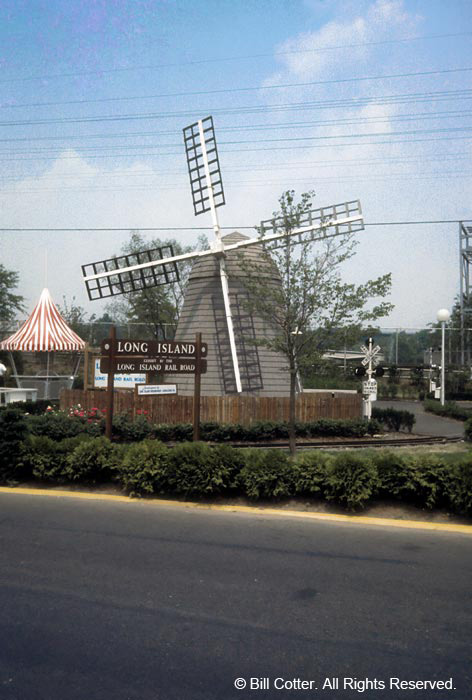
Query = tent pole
x=15 y=371
x=46 y=390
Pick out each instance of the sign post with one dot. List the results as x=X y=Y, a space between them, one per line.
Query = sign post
x=110 y=383
x=197 y=387
x=164 y=357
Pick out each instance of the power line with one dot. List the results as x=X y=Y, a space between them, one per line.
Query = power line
x=402 y=98
x=321 y=49
x=208 y=228
x=333 y=81
x=293 y=165
x=398 y=177
x=292 y=139
x=259 y=128
x=242 y=150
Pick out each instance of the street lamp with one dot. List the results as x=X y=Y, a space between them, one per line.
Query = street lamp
x=443 y=317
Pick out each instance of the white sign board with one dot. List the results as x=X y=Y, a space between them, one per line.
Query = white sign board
x=122 y=381
x=156 y=389
x=369 y=387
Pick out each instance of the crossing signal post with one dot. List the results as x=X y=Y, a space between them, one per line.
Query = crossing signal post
x=369 y=386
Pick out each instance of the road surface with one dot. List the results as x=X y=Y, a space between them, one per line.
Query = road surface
x=117 y=601
x=426 y=423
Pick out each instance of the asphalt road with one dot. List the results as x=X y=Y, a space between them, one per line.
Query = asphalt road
x=426 y=423
x=111 y=601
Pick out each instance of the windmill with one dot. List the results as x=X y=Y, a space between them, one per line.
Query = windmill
x=150 y=268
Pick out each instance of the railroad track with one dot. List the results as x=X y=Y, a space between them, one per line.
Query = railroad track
x=359 y=444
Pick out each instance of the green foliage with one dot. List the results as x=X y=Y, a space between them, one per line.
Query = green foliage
x=234 y=461
x=59 y=426
x=266 y=474
x=395 y=475
x=93 y=460
x=431 y=475
x=13 y=430
x=46 y=459
x=196 y=469
x=332 y=427
x=173 y=433
x=449 y=410
x=158 y=306
x=351 y=479
x=127 y=429
x=10 y=303
x=394 y=419
x=30 y=407
x=222 y=432
x=309 y=472
x=468 y=430
x=420 y=479
x=144 y=468
x=459 y=487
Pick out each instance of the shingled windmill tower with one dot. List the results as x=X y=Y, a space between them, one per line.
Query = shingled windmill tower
x=262 y=372
x=215 y=297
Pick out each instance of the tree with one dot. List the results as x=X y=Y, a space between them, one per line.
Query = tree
x=312 y=307
x=157 y=307
x=10 y=304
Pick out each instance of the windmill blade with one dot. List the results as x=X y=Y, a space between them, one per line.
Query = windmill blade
x=345 y=218
x=207 y=193
x=205 y=177
x=130 y=273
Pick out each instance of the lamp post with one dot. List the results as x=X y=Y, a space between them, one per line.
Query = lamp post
x=443 y=316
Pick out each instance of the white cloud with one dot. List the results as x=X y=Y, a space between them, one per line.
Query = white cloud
x=384 y=20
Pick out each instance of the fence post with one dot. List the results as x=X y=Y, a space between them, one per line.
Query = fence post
x=110 y=383
x=197 y=387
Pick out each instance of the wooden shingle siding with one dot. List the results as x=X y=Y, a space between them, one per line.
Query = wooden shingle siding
x=222 y=409
x=263 y=372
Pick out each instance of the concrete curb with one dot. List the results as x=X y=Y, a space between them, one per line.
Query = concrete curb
x=252 y=510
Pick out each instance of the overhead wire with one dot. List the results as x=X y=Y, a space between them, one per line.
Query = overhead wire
x=75 y=229
x=456 y=114
x=332 y=81
x=293 y=165
x=240 y=150
x=318 y=49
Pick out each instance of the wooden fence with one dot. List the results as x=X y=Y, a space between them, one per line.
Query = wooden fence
x=222 y=409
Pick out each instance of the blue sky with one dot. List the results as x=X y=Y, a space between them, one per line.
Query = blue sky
x=305 y=95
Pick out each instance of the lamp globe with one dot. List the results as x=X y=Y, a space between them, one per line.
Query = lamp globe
x=443 y=315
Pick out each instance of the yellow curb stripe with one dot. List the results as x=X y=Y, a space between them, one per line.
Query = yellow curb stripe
x=253 y=510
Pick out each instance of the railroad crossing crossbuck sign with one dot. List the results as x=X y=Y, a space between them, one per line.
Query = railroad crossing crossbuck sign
x=370 y=355
x=149 y=268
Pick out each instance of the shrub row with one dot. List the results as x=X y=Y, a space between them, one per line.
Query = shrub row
x=32 y=407
x=449 y=410
x=198 y=470
x=59 y=426
x=393 y=419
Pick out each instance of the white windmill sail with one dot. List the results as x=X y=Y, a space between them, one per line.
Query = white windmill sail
x=208 y=193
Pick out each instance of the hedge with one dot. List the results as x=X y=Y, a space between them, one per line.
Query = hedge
x=449 y=410
x=61 y=425
x=393 y=419
x=198 y=470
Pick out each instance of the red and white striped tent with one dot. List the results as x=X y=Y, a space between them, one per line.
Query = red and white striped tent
x=44 y=331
